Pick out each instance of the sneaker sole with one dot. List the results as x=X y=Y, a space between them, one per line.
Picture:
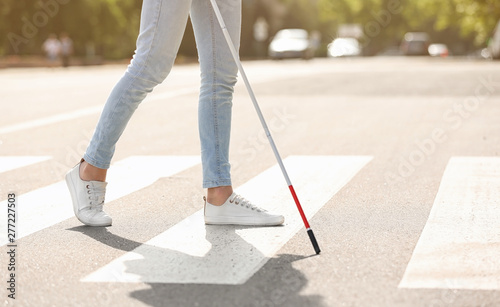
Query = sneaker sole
x=243 y=221
x=72 y=192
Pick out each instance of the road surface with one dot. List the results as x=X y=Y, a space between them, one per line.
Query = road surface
x=396 y=161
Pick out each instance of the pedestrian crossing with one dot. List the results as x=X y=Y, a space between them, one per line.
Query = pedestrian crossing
x=8 y=163
x=458 y=248
x=95 y=110
x=50 y=205
x=460 y=245
x=191 y=252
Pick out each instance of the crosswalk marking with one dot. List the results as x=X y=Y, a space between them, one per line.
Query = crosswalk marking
x=8 y=163
x=86 y=112
x=459 y=247
x=50 y=120
x=191 y=252
x=50 y=205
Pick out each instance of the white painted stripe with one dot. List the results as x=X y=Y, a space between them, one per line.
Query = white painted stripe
x=50 y=120
x=50 y=205
x=8 y=163
x=85 y=112
x=459 y=247
x=191 y=252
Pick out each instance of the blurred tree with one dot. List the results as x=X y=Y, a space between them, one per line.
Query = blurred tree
x=474 y=19
x=271 y=11
x=462 y=24
x=380 y=20
x=110 y=27
x=301 y=14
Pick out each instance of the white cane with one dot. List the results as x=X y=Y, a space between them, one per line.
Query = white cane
x=264 y=125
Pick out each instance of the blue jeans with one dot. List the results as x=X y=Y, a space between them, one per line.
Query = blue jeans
x=161 y=31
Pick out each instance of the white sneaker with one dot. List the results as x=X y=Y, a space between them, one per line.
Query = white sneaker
x=239 y=211
x=88 y=199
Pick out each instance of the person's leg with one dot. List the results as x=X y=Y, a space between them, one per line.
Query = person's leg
x=218 y=77
x=89 y=172
x=162 y=27
x=218 y=72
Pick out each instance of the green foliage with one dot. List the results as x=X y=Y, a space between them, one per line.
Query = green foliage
x=475 y=18
x=465 y=24
x=301 y=14
x=380 y=20
x=111 y=26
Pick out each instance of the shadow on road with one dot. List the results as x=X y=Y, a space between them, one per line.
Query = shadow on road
x=277 y=283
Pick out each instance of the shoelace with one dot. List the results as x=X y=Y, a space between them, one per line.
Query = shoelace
x=96 y=196
x=238 y=200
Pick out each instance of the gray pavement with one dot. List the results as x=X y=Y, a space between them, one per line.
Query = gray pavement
x=408 y=116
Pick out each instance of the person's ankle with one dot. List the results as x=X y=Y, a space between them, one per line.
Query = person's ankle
x=89 y=172
x=217 y=196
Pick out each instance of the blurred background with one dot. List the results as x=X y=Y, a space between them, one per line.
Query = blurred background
x=86 y=32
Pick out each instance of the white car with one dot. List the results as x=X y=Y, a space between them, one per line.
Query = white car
x=342 y=47
x=438 y=50
x=291 y=43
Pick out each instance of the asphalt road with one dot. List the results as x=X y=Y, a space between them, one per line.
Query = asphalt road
x=396 y=159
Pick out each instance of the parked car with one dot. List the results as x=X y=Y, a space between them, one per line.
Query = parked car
x=440 y=50
x=415 y=43
x=291 y=43
x=343 y=47
x=494 y=43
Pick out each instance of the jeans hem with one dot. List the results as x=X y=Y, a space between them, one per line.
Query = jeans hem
x=95 y=163
x=215 y=184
